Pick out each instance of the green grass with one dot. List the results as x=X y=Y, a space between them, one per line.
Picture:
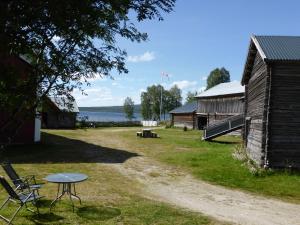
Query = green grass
x=213 y=162
x=108 y=197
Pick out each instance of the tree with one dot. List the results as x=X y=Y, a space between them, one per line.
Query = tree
x=129 y=108
x=154 y=93
x=190 y=96
x=67 y=42
x=176 y=98
x=217 y=76
x=151 y=101
x=146 y=106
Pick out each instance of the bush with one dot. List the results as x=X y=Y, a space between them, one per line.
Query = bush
x=185 y=128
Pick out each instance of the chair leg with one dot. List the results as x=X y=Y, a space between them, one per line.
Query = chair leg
x=14 y=215
x=4 y=203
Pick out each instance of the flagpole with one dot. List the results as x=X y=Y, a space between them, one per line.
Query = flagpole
x=161 y=93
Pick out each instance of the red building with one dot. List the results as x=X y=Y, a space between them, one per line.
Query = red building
x=29 y=131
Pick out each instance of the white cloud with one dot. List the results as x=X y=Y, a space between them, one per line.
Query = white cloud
x=142 y=90
x=201 y=89
x=94 y=96
x=95 y=77
x=146 y=57
x=183 y=84
x=204 y=78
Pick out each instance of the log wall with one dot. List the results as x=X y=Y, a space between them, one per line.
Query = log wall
x=284 y=120
x=221 y=105
x=187 y=119
x=255 y=111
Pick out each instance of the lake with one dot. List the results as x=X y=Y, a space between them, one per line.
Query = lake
x=106 y=116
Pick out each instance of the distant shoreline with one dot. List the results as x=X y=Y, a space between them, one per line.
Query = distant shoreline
x=117 y=109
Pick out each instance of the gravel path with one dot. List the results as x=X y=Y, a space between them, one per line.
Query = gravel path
x=166 y=184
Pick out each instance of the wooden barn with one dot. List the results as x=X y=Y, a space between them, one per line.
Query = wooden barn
x=221 y=109
x=59 y=112
x=272 y=101
x=221 y=101
x=29 y=131
x=185 y=116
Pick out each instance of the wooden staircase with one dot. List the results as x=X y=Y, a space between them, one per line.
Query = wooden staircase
x=223 y=127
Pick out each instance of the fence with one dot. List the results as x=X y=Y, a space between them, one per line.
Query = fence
x=149 y=123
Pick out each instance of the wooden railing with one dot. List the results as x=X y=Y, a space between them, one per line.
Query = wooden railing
x=223 y=127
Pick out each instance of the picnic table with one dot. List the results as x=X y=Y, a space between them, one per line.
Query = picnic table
x=147 y=133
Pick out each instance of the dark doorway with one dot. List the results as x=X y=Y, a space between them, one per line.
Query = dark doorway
x=202 y=122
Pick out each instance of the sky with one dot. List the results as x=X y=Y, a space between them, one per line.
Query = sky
x=197 y=37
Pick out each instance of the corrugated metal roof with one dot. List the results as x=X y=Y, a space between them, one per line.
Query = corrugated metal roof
x=228 y=88
x=63 y=104
x=278 y=47
x=187 y=108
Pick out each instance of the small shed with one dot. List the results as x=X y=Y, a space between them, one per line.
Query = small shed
x=220 y=102
x=272 y=101
x=185 y=115
x=59 y=112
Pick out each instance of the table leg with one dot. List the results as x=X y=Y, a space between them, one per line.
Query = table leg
x=66 y=189
x=75 y=195
x=69 y=192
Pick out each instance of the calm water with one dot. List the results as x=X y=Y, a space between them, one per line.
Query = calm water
x=106 y=116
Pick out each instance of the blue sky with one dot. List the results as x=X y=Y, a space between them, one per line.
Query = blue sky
x=195 y=38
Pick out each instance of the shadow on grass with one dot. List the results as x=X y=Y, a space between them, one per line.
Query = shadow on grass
x=225 y=142
x=100 y=213
x=58 y=149
x=45 y=218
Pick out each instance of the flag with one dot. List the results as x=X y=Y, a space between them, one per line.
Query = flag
x=164 y=74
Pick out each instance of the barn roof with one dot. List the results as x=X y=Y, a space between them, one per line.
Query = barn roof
x=186 y=108
x=229 y=88
x=272 y=49
x=63 y=104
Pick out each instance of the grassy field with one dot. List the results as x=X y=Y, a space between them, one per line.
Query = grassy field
x=213 y=162
x=108 y=197
x=210 y=161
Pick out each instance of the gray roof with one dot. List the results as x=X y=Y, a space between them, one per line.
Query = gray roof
x=229 y=88
x=64 y=104
x=187 y=108
x=271 y=48
x=275 y=48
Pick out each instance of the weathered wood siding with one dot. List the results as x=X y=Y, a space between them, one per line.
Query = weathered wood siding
x=181 y=120
x=284 y=120
x=55 y=120
x=222 y=105
x=255 y=104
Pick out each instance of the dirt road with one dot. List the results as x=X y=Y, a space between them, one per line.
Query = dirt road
x=166 y=184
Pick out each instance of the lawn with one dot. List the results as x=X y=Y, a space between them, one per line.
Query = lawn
x=210 y=161
x=108 y=197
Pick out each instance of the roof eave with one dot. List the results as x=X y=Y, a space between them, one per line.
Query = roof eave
x=218 y=96
x=254 y=47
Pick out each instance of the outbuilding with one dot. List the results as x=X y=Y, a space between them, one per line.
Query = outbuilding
x=28 y=128
x=59 y=112
x=220 y=102
x=185 y=116
x=272 y=101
